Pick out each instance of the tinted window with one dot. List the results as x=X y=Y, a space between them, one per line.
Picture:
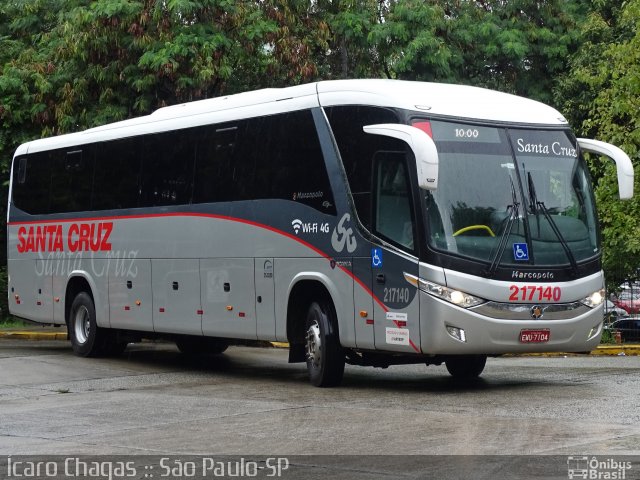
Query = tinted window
x=57 y=181
x=277 y=157
x=32 y=183
x=292 y=166
x=222 y=173
x=357 y=149
x=117 y=171
x=393 y=217
x=168 y=168
x=71 y=180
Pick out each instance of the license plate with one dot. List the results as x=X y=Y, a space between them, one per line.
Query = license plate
x=534 y=336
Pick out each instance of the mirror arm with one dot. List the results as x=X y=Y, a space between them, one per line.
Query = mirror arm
x=624 y=167
x=422 y=145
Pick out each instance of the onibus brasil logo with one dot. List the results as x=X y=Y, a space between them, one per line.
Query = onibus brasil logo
x=593 y=468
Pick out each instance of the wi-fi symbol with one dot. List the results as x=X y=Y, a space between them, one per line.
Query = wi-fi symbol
x=296 y=225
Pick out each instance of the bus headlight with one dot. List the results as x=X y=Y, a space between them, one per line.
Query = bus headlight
x=595 y=299
x=456 y=297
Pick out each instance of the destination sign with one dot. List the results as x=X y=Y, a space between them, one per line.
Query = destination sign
x=461 y=132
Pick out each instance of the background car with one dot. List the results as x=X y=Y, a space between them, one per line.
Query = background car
x=628 y=300
x=629 y=328
x=613 y=313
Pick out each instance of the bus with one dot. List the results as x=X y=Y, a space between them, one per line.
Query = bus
x=368 y=222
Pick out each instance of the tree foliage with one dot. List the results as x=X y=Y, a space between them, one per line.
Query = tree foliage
x=601 y=94
x=517 y=46
x=66 y=65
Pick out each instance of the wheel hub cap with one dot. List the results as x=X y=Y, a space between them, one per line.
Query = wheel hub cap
x=82 y=324
x=314 y=344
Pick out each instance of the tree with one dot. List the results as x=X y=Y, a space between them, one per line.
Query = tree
x=67 y=65
x=517 y=46
x=601 y=95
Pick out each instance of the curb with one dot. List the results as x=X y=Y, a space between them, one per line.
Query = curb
x=602 y=350
x=619 y=350
x=29 y=335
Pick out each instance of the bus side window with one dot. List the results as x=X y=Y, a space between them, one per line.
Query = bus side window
x=22 y=170
x=291 y=166
x=393 y=218
x=216 y=176
x=167 y=168
x=71 y=180
x=357 y=149
x=31 y=188
x=271 y=157
x=117 y=173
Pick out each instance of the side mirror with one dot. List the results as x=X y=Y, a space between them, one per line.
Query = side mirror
x=422 y=145
x=624 y=166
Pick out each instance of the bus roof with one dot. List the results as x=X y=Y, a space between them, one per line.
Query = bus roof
x=456 y=101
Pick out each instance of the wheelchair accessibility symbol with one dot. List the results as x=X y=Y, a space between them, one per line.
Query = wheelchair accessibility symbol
x=376 y=257
x=520 y=252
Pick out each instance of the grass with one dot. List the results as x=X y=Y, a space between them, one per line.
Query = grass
x=11 y=322
x=607 y=338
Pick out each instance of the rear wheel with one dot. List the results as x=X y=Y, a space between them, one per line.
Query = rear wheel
x=466 y=366
x=87 y=339
x=324 y=355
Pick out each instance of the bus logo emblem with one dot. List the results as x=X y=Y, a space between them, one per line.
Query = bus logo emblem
x=536 y=312
x=343 y=236
x=520 y=252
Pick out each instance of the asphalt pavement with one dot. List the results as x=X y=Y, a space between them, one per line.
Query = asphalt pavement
x=36 y=332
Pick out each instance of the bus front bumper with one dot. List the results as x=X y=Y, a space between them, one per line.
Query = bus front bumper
x=451 y=330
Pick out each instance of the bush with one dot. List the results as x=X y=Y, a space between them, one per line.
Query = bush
x=4 y=299
x=607 y=337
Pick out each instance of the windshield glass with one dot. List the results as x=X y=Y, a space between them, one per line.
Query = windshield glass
x=511 y=196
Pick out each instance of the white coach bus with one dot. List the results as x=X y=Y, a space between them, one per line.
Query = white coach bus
x=372 y=222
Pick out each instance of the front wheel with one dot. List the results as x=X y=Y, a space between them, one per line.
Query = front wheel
x=466 y=366
x=324 y=355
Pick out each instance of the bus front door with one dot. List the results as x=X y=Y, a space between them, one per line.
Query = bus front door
x=396 y=314
x=396 y=311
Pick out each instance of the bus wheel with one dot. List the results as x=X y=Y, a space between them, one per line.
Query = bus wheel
x=466 y=366
x=324 y=355
x=201 y=345
x=87 y=339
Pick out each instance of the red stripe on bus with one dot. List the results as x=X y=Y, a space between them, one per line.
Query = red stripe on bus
x=413 y=345
x=219 y=217
x=174 y=214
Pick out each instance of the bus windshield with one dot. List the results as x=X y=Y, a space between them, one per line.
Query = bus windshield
x=511 y=196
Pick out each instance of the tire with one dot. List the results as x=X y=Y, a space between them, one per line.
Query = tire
x=201 y=345
x=466 y=366
x=87 y=339
x=324 y=355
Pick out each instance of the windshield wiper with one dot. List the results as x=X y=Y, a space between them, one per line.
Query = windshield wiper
x=514 y=210
x=536 y=204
